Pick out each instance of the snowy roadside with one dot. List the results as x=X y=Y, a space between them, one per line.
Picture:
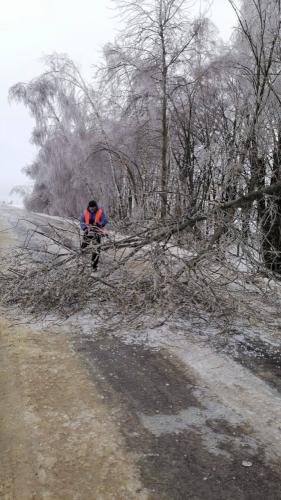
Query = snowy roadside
x=263 y=296
x=17 y=223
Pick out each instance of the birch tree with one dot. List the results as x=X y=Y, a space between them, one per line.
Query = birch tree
x=158 y=38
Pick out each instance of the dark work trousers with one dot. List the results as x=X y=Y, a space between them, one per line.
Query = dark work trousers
x=96 y=240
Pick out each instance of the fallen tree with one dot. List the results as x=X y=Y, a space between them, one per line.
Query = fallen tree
x=156 y=270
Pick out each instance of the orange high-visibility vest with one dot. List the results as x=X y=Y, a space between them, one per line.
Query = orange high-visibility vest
x=97 y=216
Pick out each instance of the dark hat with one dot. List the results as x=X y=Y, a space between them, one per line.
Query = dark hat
x=92 y=203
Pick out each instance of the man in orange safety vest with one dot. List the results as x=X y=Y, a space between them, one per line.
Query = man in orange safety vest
x=92 y=221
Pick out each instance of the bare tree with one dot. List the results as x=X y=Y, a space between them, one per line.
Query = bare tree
x=156 y=41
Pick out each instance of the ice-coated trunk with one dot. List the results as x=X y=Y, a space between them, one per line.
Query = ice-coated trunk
x=271 y=223
x=164 y=128
x=164 y=155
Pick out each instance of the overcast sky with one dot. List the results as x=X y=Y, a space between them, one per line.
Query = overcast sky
x=31 y=28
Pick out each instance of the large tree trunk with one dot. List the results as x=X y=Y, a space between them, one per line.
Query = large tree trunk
x=271 y=222
x=164 y=151
x=164 y=162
